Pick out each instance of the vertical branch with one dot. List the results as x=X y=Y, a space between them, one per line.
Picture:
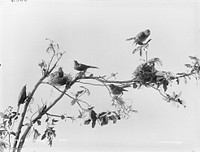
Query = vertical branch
x=22 y=140
x=24 y=113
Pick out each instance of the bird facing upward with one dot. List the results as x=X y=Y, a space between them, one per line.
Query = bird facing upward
x=116 y=90
x=22 y=96
x=140 y=37
x=82 y=67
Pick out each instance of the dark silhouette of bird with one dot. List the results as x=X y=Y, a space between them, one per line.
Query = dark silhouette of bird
x=22 y=96
x=140 y=37
x=82 y=67
x=116 y=90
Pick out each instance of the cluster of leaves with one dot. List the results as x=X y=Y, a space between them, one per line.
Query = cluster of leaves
x=102 y=118
x=121 y=107
x=49 y=133
x=9 y=116
x=175 y=98
x=194 y=70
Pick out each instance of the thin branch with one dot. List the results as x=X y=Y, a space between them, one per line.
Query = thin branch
x=90 y=83
x=59 y=116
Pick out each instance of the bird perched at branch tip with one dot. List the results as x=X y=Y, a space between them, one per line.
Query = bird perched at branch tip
x=22 y=96
x=116 y=90
x=140 y=37
x=82 y=67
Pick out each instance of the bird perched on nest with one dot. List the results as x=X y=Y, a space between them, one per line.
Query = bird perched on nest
x=59 y=78
x=140 y=37
x=116 y=90
x=82 y=67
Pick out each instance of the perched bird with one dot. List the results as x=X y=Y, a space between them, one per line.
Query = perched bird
x=82 y=67
x=57 y=74
x=140 y=37
x=22 y=96
x=116 y=90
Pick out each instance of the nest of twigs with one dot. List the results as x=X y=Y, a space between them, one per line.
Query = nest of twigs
x=147 y=75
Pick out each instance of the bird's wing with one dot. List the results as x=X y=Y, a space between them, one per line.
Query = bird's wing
x=140 y=36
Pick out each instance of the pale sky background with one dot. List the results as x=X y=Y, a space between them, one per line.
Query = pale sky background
x=94 y=32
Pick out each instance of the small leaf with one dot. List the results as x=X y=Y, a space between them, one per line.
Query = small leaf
x=104 y=120
x=43 y=136
x=54 y=120
x=13 y=133
x=47 y=119
x=165 y=84
x=38 y=122
x=188 y=65
x=74 y=101
x=2 y=115
x=36 y=134
x=86 y=122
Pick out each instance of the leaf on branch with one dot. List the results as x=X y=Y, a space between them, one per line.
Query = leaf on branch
x=194 y=58
x=81 y=114
x=104 y=120
x=38 y=122
x=3 y=145
x=36 y=134
x=188 y=65
x=2 y=115
x=13 y=133
x=165 y=84
x=87 y=122
x=54 y=120
x=47 y=119
x=86 y=90
x=74 y=101
x=43 y=136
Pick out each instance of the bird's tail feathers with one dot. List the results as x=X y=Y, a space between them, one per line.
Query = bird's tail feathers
x=133 y=38
x=93 y=67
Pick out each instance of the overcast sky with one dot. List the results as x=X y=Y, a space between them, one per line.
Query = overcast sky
x=94 y=32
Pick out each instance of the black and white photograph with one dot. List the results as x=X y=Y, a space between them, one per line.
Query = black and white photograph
x=100 y=76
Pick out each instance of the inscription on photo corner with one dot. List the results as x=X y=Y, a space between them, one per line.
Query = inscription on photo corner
x=18 y=0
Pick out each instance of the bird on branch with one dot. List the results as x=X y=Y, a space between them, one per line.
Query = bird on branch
x=22 y=96
x=140 y=37
x=116 y=90
x=82 y=67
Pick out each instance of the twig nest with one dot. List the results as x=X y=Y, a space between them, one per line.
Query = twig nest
x=59 y=81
